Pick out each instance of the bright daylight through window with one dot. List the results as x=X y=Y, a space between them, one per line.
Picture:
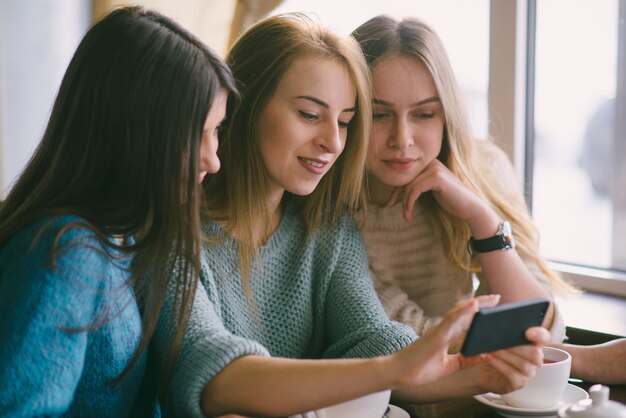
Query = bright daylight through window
x=578 y=197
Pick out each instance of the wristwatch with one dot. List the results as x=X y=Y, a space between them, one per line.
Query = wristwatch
x=503 y=240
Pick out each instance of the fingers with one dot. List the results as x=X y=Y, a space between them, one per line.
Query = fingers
x=414 y=190
x=538 y=335
x=488 y=301
x=517 y=364
x=457 y=320
x=515 y=377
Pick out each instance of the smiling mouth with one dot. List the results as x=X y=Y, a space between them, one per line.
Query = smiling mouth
x=315 y=164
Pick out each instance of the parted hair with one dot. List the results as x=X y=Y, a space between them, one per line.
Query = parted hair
x=121 y=151
x=383 y=36
x=239 y=192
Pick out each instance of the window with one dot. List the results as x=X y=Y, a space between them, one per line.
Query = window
x=36 y=45
x=575 y=135
x=572 y=89
x=579 y=142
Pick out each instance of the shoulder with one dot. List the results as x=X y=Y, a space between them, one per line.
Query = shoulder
x=496 y=167
x=54 y=246
x=492 y=154
x=49 y=230
x=343 y=227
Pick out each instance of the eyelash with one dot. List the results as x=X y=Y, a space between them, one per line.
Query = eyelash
x=380 y=116
x=308 y=116
x=313 y=117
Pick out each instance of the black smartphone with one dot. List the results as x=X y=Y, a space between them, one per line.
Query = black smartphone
x=503 y=326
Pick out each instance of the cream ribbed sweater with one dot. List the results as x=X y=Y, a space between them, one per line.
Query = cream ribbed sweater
x=415 y=282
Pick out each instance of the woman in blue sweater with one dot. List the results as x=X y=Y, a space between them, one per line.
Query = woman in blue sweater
x=286 y=320
x=106 y=208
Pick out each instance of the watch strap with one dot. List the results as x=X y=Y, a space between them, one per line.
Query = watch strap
x=497 y=242
x=503 y=240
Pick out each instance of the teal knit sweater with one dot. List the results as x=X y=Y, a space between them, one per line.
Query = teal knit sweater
x=56 y=357
x=313 y=299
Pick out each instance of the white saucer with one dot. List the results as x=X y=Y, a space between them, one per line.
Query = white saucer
x=397 y=412
x=572 y=394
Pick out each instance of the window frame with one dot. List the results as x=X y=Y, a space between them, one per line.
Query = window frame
x=511 y=119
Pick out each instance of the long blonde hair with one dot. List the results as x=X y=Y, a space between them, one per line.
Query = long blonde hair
x=382 y=36
x=239 y=193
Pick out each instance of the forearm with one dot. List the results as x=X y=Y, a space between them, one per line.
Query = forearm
x=507 y=275
x=504 y=271
x=601 y=363
x=255 y=385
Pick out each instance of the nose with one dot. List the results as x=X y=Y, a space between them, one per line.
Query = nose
x=402 y=136
x=332 y=139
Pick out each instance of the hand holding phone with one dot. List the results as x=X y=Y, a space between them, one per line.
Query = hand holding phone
x=503 y=326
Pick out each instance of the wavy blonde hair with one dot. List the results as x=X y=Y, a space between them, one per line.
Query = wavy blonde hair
x=382 y=36
x=238 y=195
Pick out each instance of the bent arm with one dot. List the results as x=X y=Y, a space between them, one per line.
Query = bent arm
x=505 y=272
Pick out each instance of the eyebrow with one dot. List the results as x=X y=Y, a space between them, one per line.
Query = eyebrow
x=324 y=104
x=421 y=102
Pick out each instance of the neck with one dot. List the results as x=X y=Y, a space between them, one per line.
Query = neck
x=378 y=192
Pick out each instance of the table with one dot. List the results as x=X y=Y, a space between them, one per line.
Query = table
x=471 y=408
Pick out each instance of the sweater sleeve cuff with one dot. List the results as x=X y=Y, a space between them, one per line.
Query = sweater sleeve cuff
x=201 y=363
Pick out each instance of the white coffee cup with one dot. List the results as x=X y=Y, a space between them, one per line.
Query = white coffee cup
x=373 y=405
x=545 y=388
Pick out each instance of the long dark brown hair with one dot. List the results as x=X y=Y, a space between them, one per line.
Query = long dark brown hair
x=121 y=151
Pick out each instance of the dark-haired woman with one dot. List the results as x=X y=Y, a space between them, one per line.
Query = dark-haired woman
x=108 y=205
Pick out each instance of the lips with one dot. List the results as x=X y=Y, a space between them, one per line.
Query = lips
x=313 y=165
x=400 y=164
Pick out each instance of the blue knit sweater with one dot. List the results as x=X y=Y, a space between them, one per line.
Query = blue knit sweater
x=55 y=360
x=313 y=299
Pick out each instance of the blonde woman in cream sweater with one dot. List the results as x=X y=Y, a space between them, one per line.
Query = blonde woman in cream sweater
x=442 y=205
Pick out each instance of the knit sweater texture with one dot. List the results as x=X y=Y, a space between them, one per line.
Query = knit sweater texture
x=67 y=327
x=414 y=279
x=312 y=299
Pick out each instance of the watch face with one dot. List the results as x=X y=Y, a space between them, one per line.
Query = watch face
x=507 y=234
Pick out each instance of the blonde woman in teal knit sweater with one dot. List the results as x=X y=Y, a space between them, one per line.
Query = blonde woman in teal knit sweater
x=100 y=217
x=287 y=320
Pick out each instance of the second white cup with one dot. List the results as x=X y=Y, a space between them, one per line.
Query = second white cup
x=545 y=388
